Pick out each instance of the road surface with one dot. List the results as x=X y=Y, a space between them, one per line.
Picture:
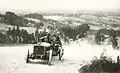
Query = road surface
x=13 y=58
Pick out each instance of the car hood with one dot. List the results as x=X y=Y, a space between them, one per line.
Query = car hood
x=43 y=44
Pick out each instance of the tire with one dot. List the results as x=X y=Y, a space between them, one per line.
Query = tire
x=27 y=60
x=60 y=54
x=50 y=57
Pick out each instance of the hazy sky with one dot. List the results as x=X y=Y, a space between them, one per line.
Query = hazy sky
x=72 y=5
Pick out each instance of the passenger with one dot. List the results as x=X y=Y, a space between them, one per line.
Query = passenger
x=44 y=39
x=56 y=43
x=44 y=33
x=39 y=36
x=49 y=38
x=56 y=40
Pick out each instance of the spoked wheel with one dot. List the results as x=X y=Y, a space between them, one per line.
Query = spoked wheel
x=50 y=57
x=27 y=60
x=60 y=54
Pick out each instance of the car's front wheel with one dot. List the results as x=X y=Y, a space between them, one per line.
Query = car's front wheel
x=50 y=57
x=27 y=60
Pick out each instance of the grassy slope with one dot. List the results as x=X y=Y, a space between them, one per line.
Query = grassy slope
x=96 y=21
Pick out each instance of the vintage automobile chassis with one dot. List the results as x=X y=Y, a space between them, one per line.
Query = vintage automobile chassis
x=45 y=53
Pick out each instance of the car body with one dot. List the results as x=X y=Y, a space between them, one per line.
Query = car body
x=45 y=51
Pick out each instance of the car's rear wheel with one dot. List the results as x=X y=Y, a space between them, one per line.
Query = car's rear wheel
x=50 y=57
x=27 y=60
x=60 y=54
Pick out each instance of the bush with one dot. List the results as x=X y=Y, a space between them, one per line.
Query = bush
x=100 y=35
x=103 y=64
x=13 y=19
x=79 y=31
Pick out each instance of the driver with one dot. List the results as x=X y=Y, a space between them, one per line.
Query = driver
x=56 y=40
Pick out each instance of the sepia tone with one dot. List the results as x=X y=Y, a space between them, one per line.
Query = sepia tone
x=60 y=36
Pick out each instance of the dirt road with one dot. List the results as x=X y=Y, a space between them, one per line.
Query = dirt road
x=13 y=61
x=12 y=58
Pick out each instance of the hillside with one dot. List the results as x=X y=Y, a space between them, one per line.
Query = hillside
x=94 y=20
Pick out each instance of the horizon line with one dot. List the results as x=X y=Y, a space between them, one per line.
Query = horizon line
x=56 y=10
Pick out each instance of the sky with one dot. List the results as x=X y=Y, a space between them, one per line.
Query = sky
x=60 y=5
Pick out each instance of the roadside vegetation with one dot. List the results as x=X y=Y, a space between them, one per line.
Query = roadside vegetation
x=104 y=64
x=17 y=35
x=11 y=18
x=76 y=32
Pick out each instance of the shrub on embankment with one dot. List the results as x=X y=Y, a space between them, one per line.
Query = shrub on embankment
x=102 y=65
x=76 y=32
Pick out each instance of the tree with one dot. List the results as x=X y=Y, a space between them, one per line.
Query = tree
x=101 y=32
x=13 y=19
x=74 y=32
x=10 y=17
x=81 y=30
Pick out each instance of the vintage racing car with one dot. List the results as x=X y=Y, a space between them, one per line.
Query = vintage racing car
x=45 y=51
